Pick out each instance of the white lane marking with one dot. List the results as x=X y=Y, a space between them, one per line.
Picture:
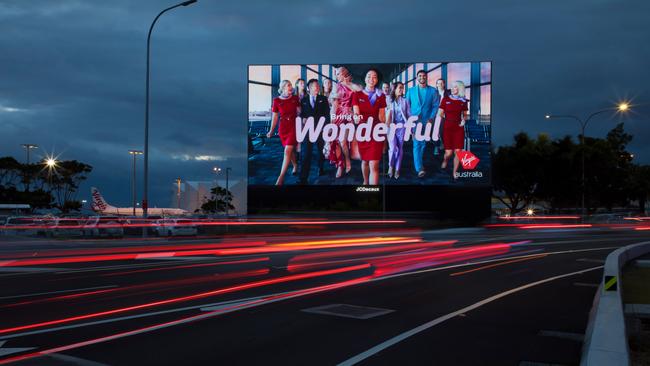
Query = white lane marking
x=533 y=243
x=382 y=346
x=69 y=360
x=238 y=302
x=582 y=284
x=7 y=351
x=234 y=308
x=56 y=292
x=218 y=304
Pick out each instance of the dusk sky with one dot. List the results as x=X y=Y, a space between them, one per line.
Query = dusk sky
x=72 y=72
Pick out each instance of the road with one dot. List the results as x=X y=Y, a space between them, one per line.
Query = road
x=389 y=295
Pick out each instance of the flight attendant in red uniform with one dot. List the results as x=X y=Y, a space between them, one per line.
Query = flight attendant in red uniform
x=453 y=109
x=286 y=108
x=370 y=102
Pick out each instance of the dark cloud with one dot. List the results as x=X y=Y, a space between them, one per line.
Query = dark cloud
x=72 y=72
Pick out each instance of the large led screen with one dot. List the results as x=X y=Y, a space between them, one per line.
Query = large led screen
x=370 y=124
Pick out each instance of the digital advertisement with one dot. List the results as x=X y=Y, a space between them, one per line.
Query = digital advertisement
x=370 y=124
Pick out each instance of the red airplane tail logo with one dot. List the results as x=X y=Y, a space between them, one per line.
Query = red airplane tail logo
x=468 y=160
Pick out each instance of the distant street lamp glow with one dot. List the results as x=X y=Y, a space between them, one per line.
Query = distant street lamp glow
x=530 y=212
x=50 y=162
x=622 y=107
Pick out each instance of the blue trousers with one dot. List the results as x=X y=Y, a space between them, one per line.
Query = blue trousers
x=418 y=153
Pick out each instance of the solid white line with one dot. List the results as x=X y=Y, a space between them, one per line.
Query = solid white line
x=382 y=346
x=56 y=292
x=144 y=315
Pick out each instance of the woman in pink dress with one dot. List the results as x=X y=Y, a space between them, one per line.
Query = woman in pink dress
x=285 y=109
x=341 y=98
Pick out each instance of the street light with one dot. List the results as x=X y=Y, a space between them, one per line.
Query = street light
x=621 y=107
x=51 y=163
x=217 y=170
x=178 y=192
x=28 y=147
x=134 y=153
x=146 y=112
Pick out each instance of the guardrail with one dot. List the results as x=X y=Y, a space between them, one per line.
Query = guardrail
x=606 y=337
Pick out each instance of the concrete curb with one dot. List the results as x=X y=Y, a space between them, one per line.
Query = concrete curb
x=606 y=338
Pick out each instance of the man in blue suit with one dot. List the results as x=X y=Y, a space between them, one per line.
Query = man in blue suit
x=424 y=101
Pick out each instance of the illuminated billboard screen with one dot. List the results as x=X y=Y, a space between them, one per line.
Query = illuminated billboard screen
x=370 y=124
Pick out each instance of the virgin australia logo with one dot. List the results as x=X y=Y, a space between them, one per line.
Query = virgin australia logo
x=468 y=160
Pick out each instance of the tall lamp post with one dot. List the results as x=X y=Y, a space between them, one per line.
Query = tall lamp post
x=145 y=197
x=217 y=170
x=134 y=153
x=27 y=148
x=178 y=192
x=622 y=107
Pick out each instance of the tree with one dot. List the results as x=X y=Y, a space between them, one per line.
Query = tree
x=64 y=180
x=639 y=185
x=551 y=171
x=517 y=170
x=220 y=201
x=10 y=170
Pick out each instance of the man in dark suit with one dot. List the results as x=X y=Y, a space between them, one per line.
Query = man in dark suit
x=316 y=106
x=437 y=129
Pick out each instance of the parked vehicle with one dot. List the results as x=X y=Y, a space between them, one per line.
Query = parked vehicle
x=21 y=225
x=61 y=227
x=175 y=227
x=103 y=226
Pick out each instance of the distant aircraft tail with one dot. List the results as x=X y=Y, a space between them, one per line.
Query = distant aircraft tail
x=99 y=203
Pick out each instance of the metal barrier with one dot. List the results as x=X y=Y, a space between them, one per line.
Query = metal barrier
x=606 y=337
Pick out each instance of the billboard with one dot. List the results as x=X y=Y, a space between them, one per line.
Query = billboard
x=399 y=124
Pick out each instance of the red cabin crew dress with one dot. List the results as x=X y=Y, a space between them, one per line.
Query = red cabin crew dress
x=369 y=150
x=453 y=135
x=288 y=109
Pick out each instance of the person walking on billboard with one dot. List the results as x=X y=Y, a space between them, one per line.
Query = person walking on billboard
x=316 y=106
x=442 y=90
x=386 y=89
x=285 y=108
x=398 y=112
x=424 y=101
x=341 y=99
x=366 y=104
x=300 y=89
x=327 y=88
x=453 y=110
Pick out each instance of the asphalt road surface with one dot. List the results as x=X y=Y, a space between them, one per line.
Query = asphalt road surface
x=373 y=296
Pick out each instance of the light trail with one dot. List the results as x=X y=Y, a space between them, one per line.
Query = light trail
x=497 y=265
x=222 y=291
